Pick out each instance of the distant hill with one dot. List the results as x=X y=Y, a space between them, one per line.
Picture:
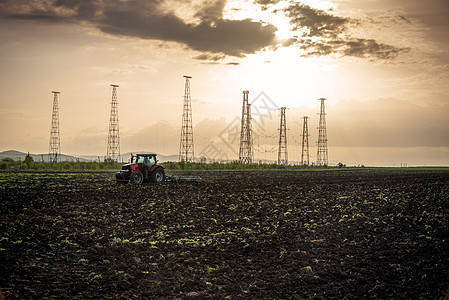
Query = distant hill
x=18 y=155
x=163 y=158
x=12 y=154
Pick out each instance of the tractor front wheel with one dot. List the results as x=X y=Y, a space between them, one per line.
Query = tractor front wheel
x=136 y=177
x=158 y=175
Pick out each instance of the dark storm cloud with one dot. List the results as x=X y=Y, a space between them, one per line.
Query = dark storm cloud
x=147 y=20
x=332 y=34
x=231 y=37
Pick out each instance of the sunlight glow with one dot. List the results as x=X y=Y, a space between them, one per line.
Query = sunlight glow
x=319 y=4
x=239 y=10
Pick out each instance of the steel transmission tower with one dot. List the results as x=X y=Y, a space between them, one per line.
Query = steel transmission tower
x=186 y=153
x=321 y=157
x=113 y=151
x=305 y=143
x=246 y=143
x=282 y=153
x=54 y=153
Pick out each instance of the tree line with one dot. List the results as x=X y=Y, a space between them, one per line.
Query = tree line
x=108 y=164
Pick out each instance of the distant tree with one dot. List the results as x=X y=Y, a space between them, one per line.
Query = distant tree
x=182 y=164
x=29 y=161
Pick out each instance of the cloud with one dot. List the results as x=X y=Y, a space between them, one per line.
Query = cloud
x=405 y=19
x=211 y=10
x=56 y=10
x=161 y=137
x=371 y=48
x=317 y=23
x=323 y=33
x=148 y=20
x=266 y=3
x=210 y=57
x=208 y=129
x=289 y=42
x=387 y=122
x=82 y=9
x=230 y=37
x=319 y=32
x=356 y=47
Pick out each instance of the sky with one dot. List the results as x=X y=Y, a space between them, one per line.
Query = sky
x=382 y=65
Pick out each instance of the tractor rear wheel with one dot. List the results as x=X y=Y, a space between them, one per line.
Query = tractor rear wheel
x=158 y=175
x=136 y=177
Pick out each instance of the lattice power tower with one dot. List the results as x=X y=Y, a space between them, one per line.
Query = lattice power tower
x=113 y=151
x=321 y=157
x=246 y=143
x=186 y=152
x=54 y=152
x=305 y=143
x=282 y=153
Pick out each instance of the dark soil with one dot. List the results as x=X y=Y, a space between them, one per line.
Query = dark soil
x=350 y=234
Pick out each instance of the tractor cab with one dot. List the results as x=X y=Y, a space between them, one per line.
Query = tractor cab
x=147 y=159
x=143 y=167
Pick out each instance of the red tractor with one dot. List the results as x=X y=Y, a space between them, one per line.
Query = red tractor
x=143 y=167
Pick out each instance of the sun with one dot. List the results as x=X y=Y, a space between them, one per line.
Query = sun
x=273 y=14
x=281 y=71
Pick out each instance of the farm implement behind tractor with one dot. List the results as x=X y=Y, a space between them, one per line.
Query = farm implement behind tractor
x=144 y=168
x=183 y=178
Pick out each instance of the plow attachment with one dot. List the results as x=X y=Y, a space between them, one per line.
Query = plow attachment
x=171 y=177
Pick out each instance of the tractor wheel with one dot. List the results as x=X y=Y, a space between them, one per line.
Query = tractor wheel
x=158 y=175
x=136 y=177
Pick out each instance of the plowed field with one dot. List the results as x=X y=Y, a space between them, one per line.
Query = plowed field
x=270 y=234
